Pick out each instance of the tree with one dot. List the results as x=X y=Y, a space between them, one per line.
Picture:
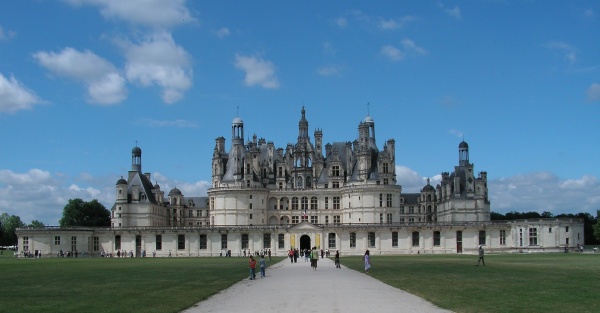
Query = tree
x=596 y=226
x=81 y=213
x=10 y=223
x=36 y=223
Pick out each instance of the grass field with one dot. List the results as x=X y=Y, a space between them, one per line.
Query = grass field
x=509 y=282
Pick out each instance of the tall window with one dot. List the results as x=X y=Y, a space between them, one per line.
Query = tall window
x=415 y=239
x=533 y=237
x=314 y=204
x=96 y=243
x=295 y=220
x=326 y=203
x=352 y=240
x=380 y=200
x=436 y=238
x=223 y=241
x=73 y=243
x=385 y=167
x=371 y=238
x=180 y=242
x=502 y=237
x=336 y=203
x=244 y=241
x=203 y=242
x=267 y=241
x=482 y=237
x=294 y=203
x=520 y=237
x=388 y=218
x=336 y=219
x=331 y=240
x=395 y=239
x=57 y=240
x=388 y=201
x=380 y=218
x=158 y=242
x=314 y=219
x=335 y=171
x=304 y=204
x=326 y=220
x=25 y=243
x=281 y=241
x=335 y=185
x=117 y=242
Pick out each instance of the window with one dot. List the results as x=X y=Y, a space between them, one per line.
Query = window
x=223 y=241
x=304 y=204
x=304 y=218
x=502 y=237
x=336 y=184
x=436 y=238
x=96 y=243
x=388 y=218
x=300 y=182
x=294 y=203
x=395 y=239
x=533 y=237
x=250 y=216
x=267 y=241
x=520 y=237
x=326 y=203
x=380 y=218
x=567 y=229
x=386 y=181
x=415 y=239
x=388 y=201
x=380 y=200
x=352 y=240
x=331 y=240
x=326 y=220
x=336 y=203
x=295 y=220
x=117 y=242
x=203 y=242
x=336 y=219
x=411 y=210
x=313 y=203
x=57 y=240
x=281 y=241
x=385 y=167
x=180 y=242
x=482 y=237
x=550 y=230
x=244 y=241
x=335 y=171
x=314 y=219
x=250 y=206
x=158 y=242
x=25 y=243
x=198 y=213
x=212 y=203
x=371 y=238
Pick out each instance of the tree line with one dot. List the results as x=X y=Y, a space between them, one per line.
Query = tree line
x=93 y=214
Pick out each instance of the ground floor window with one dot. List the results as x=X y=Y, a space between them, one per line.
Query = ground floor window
x=281 y=241
x=223 y=241
x=436 y=238
x=57 y=240
x=502 y=237
x=533 y=237
x=203 y=242
x=331 y=240
x=482 y=237
x=415 y=239
x=244 y=241
x=26 y=243
x=180 y=242
x=158 y=242
x=395 y=239
x=267 y=241
x=117 y=242
x=96 y=243
x=352 y=240
x=371 y=238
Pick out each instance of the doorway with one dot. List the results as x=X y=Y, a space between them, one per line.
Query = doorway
x=138 y=246
x=459 y=242
x=305 y=242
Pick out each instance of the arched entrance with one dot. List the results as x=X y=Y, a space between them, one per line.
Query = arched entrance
x=305 y=242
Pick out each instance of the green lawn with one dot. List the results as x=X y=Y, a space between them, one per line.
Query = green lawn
x=509 y=283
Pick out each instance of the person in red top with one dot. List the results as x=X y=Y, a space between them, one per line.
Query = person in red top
x=252 y=268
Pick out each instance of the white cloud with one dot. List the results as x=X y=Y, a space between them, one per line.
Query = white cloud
x=392 y=53
x=104 y=83
x=329 y=70
x=568 y=52
x=159 y=61
x=151 y=13
x=410 y=47
x=454 y=12
x=411 y=181
x=341 y=22
x=223 y=32
x=393 y=24
x=6 y=35
x=458 y=133
x=258 y=71
x=14 y=96
x=593 y=92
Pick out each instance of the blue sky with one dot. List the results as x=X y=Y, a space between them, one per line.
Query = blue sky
x=83 y=81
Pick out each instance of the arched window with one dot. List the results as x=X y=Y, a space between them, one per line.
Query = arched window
x=294 y=203
x=299 y=182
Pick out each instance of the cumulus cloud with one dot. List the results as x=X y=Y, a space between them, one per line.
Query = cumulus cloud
x=14 y=96
x=593 y=93
x=394 y=24
x=458 y=133
x=151 y=13
x=568 y=52
x=408 y=48
x=105 y=84
x=411 y=181
x=223 y=32
x=258 y=71
x=157 y=60
x=454 y=12
x=544 y=191
x=6 y=34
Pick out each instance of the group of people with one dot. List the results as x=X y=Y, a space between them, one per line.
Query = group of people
x=263 y=265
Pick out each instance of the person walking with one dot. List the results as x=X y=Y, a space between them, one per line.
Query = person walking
x=252 y=268
x=367 y=260
x=481 y=253
x=337 y=259
x=314 y=258
x=263 y=266
x=291 y=255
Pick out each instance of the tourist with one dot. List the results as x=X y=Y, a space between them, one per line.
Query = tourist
x=263 y=265
x=314 y=258
x=481 y=253
x=269 y=254
x=291 y=255
x=252 y=268
x=337 y=259
x=296 y=255
x=367 y=260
